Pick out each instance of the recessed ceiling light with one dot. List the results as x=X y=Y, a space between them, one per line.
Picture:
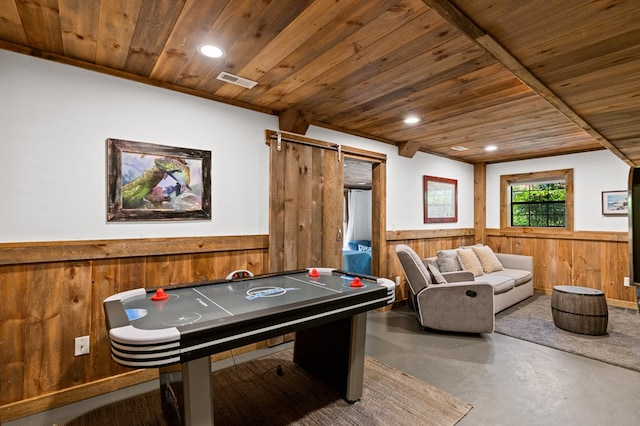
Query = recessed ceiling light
x=412 y=119
x=459 y=148
x=211 y=51
x=490 y=148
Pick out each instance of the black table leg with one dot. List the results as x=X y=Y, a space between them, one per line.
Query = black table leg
x=335 y=353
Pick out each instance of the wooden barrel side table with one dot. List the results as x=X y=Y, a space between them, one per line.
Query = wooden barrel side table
x=579 y=309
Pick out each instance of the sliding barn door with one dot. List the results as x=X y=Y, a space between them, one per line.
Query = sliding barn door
x=306 y=202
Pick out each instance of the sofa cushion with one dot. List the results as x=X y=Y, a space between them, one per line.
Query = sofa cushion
x=469 y=262
x=436 y=276
x=448 y=261
x=519 y=276
x=487 y=258
x=499 y=283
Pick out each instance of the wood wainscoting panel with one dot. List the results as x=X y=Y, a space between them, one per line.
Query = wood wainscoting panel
x=108 y=276
x=75 y=308
x=51 y=251
x=12 y=332
x=597 y=260
x=54 y=296
x=43 y=286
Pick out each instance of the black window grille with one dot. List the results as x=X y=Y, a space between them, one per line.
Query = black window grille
x=538 y=205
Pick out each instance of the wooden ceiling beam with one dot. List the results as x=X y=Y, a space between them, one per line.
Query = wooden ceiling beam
x=293 y=120
x=471 y=30
x=408 y=149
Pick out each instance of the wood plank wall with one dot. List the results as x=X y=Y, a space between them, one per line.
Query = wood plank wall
x=597 y=260
x=53 y=292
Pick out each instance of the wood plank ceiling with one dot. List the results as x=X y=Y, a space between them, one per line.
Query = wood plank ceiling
x=535 y=78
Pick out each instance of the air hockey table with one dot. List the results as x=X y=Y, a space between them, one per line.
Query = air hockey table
x=183 y=325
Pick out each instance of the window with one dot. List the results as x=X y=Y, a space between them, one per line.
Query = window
x=537 y=200
x=538 y=204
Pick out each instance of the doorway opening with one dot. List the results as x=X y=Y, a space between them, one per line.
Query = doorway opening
x=357 y=213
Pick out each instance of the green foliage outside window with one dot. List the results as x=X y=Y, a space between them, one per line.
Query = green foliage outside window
x=538 y=204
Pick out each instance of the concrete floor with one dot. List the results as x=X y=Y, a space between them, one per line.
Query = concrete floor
x=508 y=381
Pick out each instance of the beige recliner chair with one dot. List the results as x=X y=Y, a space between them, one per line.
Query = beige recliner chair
x=465 y=306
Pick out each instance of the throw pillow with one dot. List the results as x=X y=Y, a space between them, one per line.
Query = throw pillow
x=362 y=248
x=353 y=244
x=436 y=276
x=488 y=259
x=470 y=262
x=447 y=260
x=468 y=247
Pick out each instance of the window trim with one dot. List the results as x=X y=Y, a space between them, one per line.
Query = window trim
x=505 y=204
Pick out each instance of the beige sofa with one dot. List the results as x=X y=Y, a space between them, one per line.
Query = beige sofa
x=511 y=284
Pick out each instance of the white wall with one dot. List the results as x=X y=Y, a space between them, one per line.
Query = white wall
x=593 y=172
x=404 y=181
x=55 y=120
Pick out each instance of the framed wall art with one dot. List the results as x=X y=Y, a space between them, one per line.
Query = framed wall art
x=615 y=203
x=440 y=200
x=157 y=182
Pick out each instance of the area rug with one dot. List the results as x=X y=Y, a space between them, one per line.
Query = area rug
x=532 y=320
x=253 y=393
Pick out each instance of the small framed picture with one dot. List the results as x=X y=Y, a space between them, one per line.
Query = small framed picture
x=440 y=200
x=615 y=203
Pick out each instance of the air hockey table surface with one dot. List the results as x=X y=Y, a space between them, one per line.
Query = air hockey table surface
x=156 y=327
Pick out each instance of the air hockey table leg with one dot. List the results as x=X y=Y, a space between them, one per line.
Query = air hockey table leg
x=186 y=393
x=335 y=353
x=198 y=394
x=355 y=377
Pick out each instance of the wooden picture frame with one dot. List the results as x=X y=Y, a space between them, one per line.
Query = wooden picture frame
x=148 y=182
x=440 y=200
x=615 y=203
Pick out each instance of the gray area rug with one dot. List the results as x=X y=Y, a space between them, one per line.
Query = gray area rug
x=532 y=320
x=254 y=394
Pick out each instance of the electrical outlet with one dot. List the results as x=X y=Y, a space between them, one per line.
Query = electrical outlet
x=626 y=282
x=82 y=345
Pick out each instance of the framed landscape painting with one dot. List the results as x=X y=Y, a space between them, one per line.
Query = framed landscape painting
x=440 y=200
x=157 y=182
x=615 y=203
